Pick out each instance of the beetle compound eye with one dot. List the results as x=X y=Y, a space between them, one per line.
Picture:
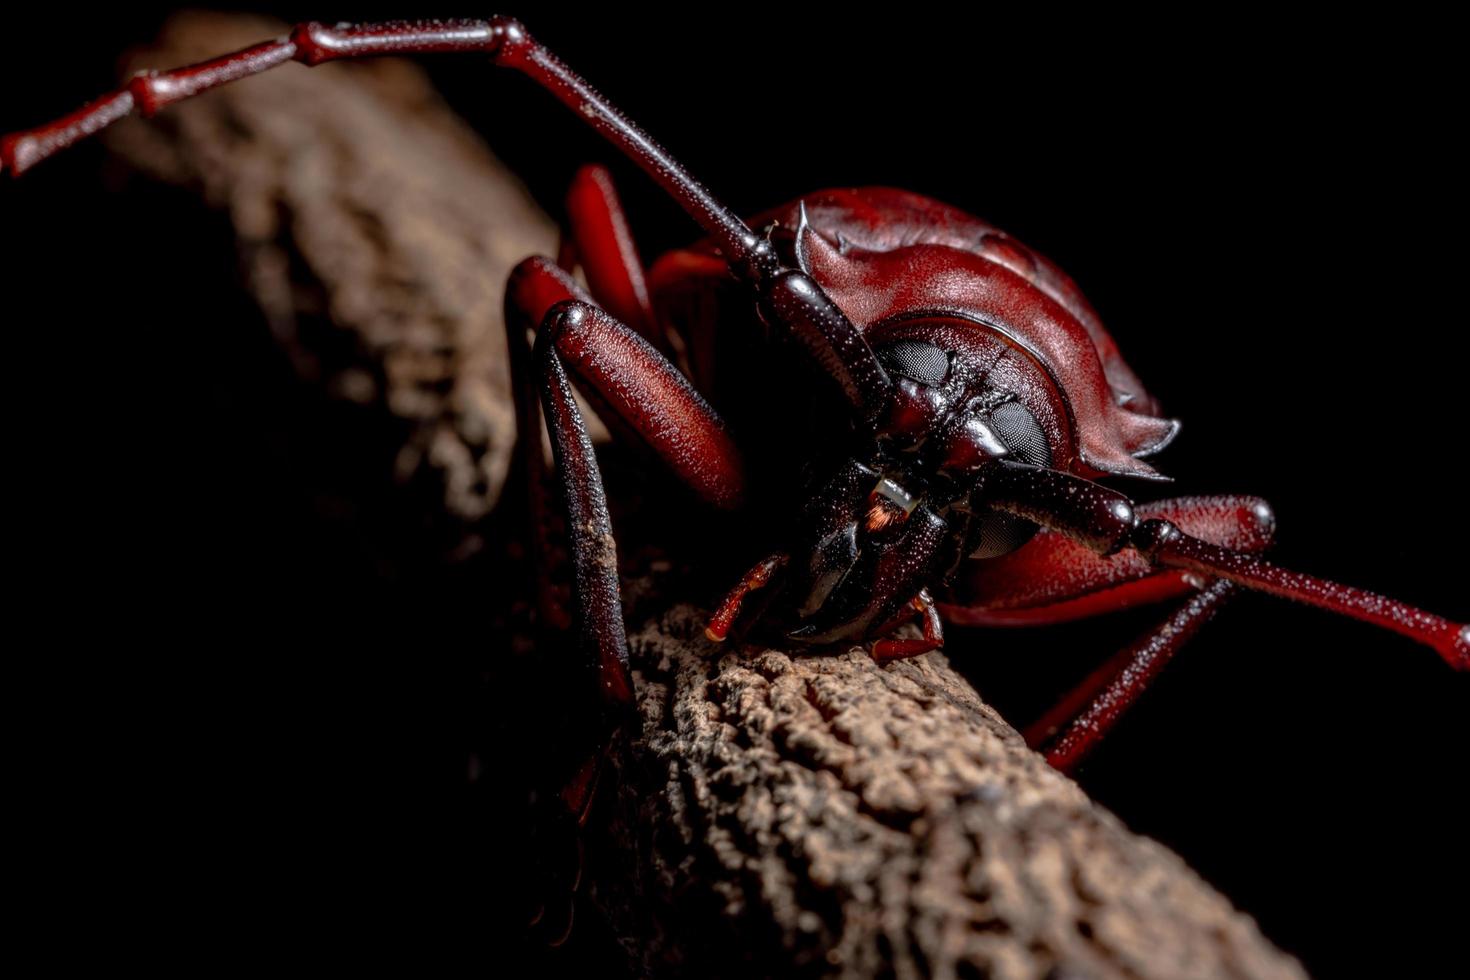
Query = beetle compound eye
x=916 y=360
x=995 y=532
x=1021 y=433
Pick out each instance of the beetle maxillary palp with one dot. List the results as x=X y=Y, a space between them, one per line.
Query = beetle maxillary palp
x=888 y=648
x=757 y=578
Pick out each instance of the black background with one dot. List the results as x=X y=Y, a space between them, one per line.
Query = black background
x=231 y=723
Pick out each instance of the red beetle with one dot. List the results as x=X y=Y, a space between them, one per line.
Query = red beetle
x=977 y=395
x=982 y=398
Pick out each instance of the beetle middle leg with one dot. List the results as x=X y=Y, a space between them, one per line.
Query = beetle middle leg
x=636 y=388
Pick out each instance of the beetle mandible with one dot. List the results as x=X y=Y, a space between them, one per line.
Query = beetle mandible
x=981 y=400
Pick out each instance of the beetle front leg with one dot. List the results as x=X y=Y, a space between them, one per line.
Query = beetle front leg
x=534 y=286
x=640 y=391
x=598 y=618
x=649 y=396
x=634 y=386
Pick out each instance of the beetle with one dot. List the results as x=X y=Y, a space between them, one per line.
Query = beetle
x=815 y=243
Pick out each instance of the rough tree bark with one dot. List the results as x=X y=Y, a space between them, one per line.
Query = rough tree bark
x=816 y=814
x=375 y=230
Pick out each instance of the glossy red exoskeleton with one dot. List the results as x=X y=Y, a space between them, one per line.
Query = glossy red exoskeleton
x=977 y=400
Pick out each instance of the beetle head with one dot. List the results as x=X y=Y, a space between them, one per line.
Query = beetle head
x=901 y=515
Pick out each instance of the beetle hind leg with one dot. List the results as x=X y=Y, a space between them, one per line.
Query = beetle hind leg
x=1077 y=723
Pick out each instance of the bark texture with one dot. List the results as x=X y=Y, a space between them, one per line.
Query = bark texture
x=858 y=820
x=814 y=815
x=375 y=230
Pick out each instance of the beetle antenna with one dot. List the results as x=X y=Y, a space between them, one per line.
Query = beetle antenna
x=503 y=38
x=790 y=298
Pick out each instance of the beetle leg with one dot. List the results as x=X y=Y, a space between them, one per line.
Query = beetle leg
x=600 y=241
x=1092 y=708
x=534 y=286
x=890 y=649
x=634 y=385
x=1167 y=546
x=598 y=607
